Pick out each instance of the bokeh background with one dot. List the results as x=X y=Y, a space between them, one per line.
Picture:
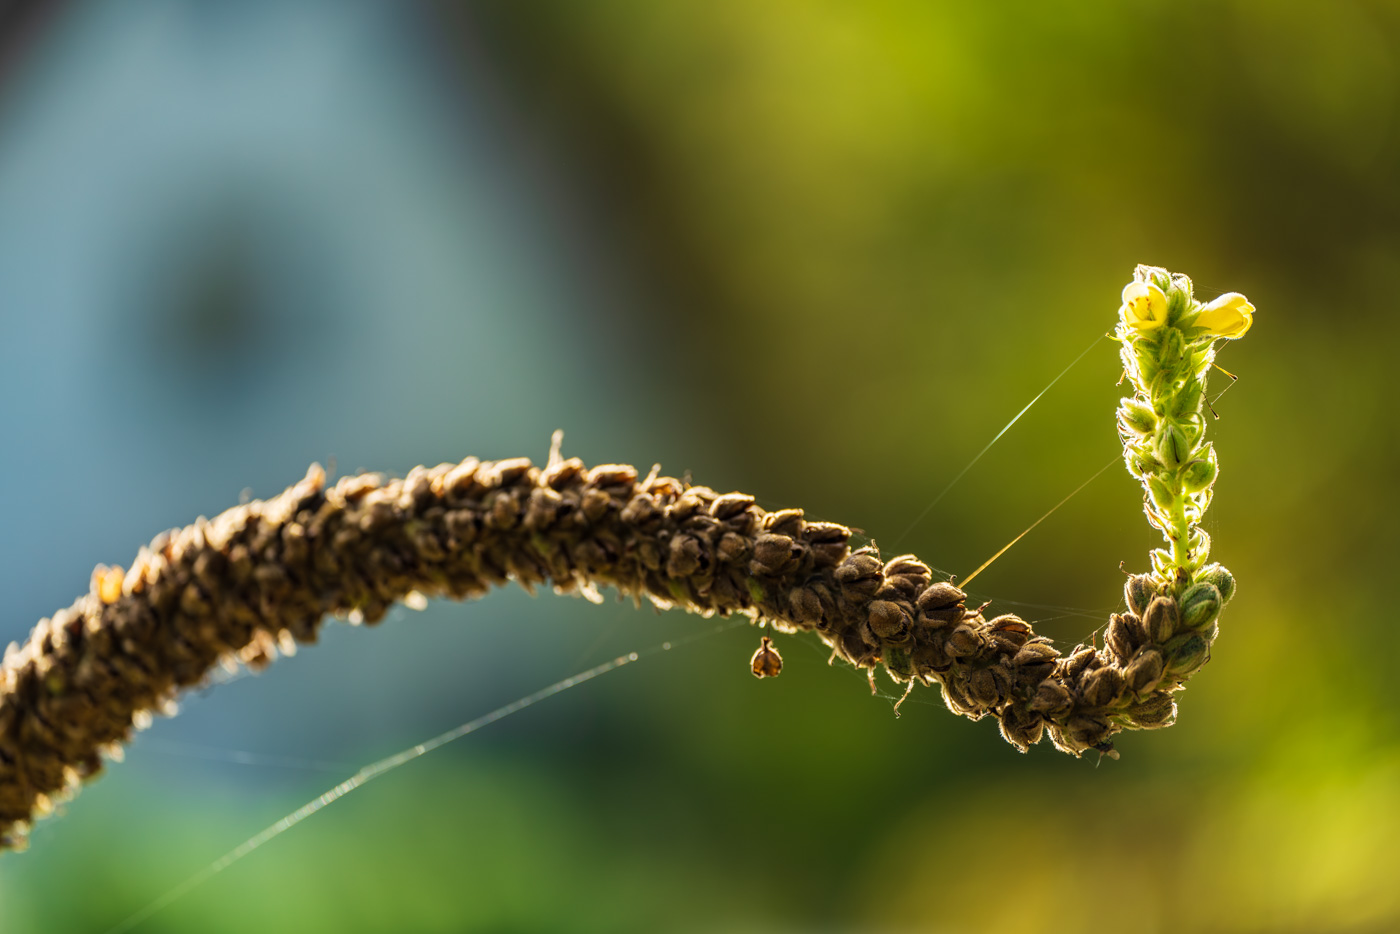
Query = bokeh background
x=821 y=252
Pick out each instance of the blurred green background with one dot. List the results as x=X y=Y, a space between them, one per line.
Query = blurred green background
x=820 y=252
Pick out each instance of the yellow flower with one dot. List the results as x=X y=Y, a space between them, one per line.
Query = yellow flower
x=1144 y=306
x=1228 y=316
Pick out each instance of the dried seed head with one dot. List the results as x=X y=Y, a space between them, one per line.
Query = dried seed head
x=1021 y=728
x=641 y=510
x=828 y=542
x=940 y=595
x=1087 y=730
x=1139 y=590
x=1161 y=619
x=861 y=573
x=784 y=522
x=806 y=606
x=889 y=621
x=982 y=688
x=773 y=554
x=687 y=555
x=1124 y=636
x=730 y=505
x=1052 y=699
x=1101 y=687
x=1079 y=661
x=1144 y=671
x=766 y=662
x=955 y=699
x=1009 y=633
x=1035 y=652
x=907 y=575
x=734 y=549
x=1155 y=712
x=595 y=504
x=962 y=642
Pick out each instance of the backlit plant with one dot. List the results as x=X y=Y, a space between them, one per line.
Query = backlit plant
x=261 y=577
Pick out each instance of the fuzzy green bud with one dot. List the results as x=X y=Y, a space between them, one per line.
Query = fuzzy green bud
x=1136 y=417
x=1186 y=653
x=1200 y=604
x=1223 y=580
x=1199 y=475
x=1162 y=495
x=1173 y=447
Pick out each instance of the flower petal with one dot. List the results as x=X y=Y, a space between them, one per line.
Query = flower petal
x=1144 y=306
x=1229 y=316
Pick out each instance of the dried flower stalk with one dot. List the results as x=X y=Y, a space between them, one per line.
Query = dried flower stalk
x=261 y=577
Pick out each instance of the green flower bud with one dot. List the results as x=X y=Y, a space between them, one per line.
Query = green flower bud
x=1199 y=545
x=1173 y=447
x=1136 y=417
x=1162 y=566
x=1198 y=475
x=1141 y=463
x=1186 y=653
x=1200 y=604
x=1162 y=495
x=1223 y=580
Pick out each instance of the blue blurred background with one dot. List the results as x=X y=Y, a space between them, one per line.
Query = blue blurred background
x=817 y=252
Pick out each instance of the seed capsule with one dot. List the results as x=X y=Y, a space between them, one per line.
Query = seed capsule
x=1162 y=619
x=1139 y=591
x=940 y=596
x=1200 y=604
x=1101 y=687
x=961 y=642
x=1020 y=728
x=1223 y=580
x=1125 y=634
x=772 y=553
x=1144 y=672
x=1052 y=699
x=806 y=606
x=982 y=688
x=889 y=621
x=1186 y=653
x=766 y=662
x=1157 y=711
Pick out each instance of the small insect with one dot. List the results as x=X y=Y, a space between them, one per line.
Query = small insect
x=766 y=662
